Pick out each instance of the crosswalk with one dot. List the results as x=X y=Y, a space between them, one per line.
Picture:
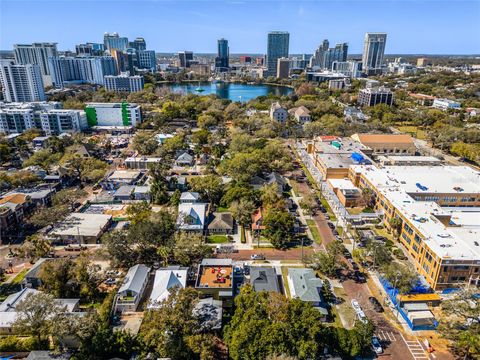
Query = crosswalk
x=386 y=335
x=416 y=349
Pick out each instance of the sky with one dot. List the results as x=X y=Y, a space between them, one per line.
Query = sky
x=413 y=26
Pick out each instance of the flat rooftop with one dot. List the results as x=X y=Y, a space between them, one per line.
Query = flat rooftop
x=433 y=179
x=124 y=175
x=215 y=273
x=81 y=224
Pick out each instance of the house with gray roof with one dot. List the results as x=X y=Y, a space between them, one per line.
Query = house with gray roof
x=278 y=113
x=221 y=223
x=209 y=311
x=132 y=289
x=189 y=197
x=304 y=285
x=184 y=159
x=264 y=279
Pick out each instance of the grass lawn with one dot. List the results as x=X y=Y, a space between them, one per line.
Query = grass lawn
x=217 y=239
x=222 y=209
x=315 y=233
x=345 y=308
x=285 y=281
x=414 y=130
x=19 y=277
x=243 y=239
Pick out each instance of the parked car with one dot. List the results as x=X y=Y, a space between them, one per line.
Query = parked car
x=331 y=225
x=359 y=277
x=257 y=257
x=327 y=216
x=335 y=232
x=354 y=265
x=380 y=238
x=376 y=304
x=377 y=347
x=71 y=247
x=323 y=210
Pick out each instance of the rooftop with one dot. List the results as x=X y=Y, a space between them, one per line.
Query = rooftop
x=124 y=175
x=166 y=279
x=81 y=224
x=215 y=273
x=134 y=279
x=383 y=138
x=264 y=279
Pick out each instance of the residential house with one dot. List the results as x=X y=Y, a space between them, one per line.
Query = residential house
x=278 y=113
x=123 y=193
x=301 y=114
x=279 y=180
x=210 y=312
x=39 y=196
x=257 y=182
x=304 y=285
x=184 y=159
x=264 y=279
x=191 y=217
x=142 y=193
x=221 y=223
x=32 y=276
x=177 y=182
x=165 y=280
x=123 y=177
x=39 y=141
x=131 y=292
x=215 y=279
x=189 y=197
x=352 y=114
x=257 y=220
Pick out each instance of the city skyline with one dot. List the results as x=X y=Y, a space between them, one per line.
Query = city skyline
x=409 y=30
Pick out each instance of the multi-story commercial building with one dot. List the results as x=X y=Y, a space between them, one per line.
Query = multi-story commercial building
x=437 y=211
x=223 y=53
x=185 y=57
x=114 y=41
x=446 y=104
x=421 y=62
x=138 y=44
x=375 y=95
x=21 y=82
x=38 y=54
x=324 y=56
x=49 y=117
x=245 y=59
x=113 y=114
x=283 y=68
x=349 y=68
x=81 y=69
x=277 y=47
x=373 y=52
x=146 y=59
x=124 y=83
x=201 y=69
x=90 y=49
x=381 y=144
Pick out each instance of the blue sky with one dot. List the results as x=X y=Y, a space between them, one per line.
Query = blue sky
x=413 y=26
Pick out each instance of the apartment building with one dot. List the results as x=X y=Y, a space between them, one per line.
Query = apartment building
x=113 y=114
x=438 y=208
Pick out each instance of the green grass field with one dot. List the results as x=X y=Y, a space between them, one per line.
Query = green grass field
x=217 y=239
x=414 y=130
x=19 y=277
x=315 y=233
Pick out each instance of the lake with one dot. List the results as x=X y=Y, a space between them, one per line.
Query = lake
x=231 y=91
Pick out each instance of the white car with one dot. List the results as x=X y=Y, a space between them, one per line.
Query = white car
x=377 y=347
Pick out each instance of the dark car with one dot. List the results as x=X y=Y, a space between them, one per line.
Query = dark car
x=331 y=225
x=335 y=232
x=376 y=304
x=359 y=277
x=323 y=210
x=380 y=238
x=355 y=266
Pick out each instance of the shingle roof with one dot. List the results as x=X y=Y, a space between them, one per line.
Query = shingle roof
x=264 y=279
x=135 y=278
x=221 y=221
x=306 y=284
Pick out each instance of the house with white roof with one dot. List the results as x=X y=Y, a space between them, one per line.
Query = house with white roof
x=191 y=217
x=165 y=280
x=131 y=292
x=189 y=197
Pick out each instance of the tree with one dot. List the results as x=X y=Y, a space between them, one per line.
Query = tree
x=205 y=121
x=36 y=315
x=278 y=227
x=140 y=242
x=210 y=187
x=175 y=198
x=379 y=253
x=35 y=247
x=467 y=151
x=305 y=89
x=460 y=323
x=308 y=203
x=267 y=324
x=401 y=276
x=139 y=211
x=201 y=137
x=242 y=211
x=271 y=197
x=368 y=197
x=172 y=330
x=68 y=197
x=55 y=276
x=44 y=216
x=328 y=262
x=144 y=143
x=43 y=158
x=190 y=248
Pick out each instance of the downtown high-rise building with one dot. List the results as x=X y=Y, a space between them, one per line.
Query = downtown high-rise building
x=114 y=41
x=38 y=54
x=21 y=83
x=138 y=44
x=277 y=47
x=90 y=49
x=91 y=70
x=223 y=53
x=124 y=83
x=184 y=58
x=373 y=53
x=324 y=56
x=146 y=59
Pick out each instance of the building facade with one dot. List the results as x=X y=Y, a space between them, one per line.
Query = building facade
x=82 y=69
x=324 y=56
x=90 y=49
x=373 y=52
x=138 y=44
x=113 y=114
x=283 y=68
x=146 y=59
x=124 y=83
x=223 y=53
x=374 y=96
x=184 y=58
x=114 y=41
x=38 y=54
x=277 y=47
x=21 y=83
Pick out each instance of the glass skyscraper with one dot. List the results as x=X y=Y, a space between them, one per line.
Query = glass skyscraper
x=277 y=48
x=373 y=52
x=223 y=52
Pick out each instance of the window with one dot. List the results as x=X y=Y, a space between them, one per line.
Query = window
x=415 y=248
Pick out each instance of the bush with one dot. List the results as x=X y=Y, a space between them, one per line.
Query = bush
x=12 y=343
